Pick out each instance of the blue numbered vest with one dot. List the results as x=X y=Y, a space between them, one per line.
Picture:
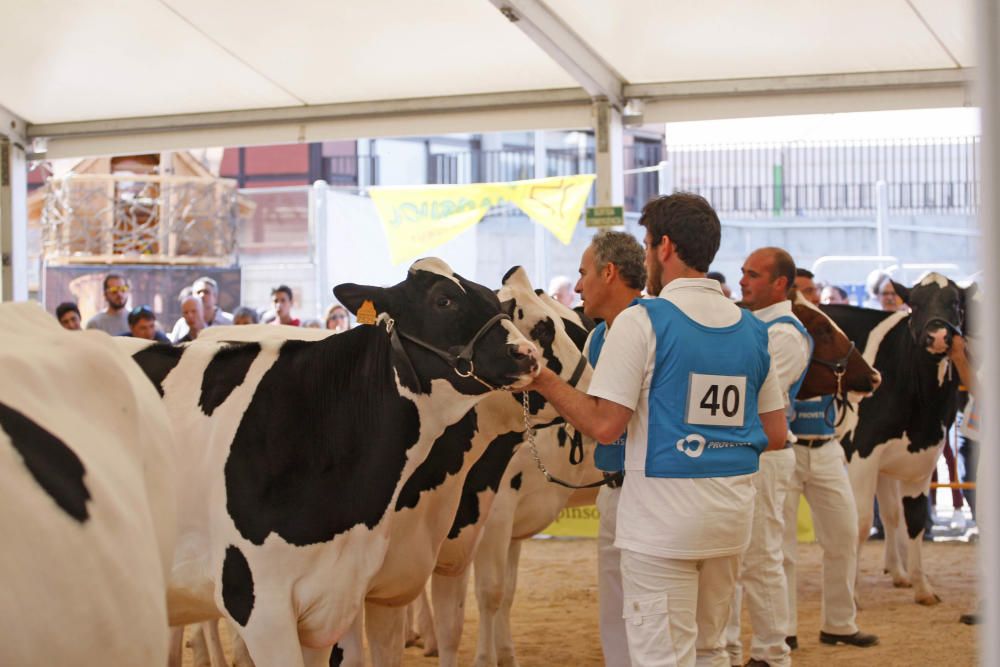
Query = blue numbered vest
x=793 y=391
x=703 y=419
x=607 y=457
x=814 y=418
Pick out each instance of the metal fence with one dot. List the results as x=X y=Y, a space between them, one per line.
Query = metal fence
x=832 y=178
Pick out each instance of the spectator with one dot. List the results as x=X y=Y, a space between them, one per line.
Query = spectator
x=886 y=294
x=208 y=291
x=831 y=294
x=804 y=283
x=245 y=315
x=192 y=310
x=715 y=275
x=338 y=318
x=281 y=299
x=561 y=289
x=142 y=324
x=114 y=318
x=68 y=315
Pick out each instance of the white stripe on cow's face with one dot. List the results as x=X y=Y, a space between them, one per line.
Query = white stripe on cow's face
x=438 y=266
x=934 y=279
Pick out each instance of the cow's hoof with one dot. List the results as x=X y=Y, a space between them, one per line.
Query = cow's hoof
x=928 y=599
x=901 y=582
x=413 y=640
x=431 y=652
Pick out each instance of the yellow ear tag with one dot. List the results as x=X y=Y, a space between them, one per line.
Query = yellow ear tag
x=366 y=313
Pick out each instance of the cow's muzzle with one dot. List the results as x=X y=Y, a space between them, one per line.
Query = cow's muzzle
x=937 y=336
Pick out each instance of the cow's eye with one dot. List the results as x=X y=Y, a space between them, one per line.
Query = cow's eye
x=443 y=302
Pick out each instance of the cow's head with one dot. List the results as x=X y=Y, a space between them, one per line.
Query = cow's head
x=445 y=326
x=836 y=366
x=556 y=330
x=937 y=311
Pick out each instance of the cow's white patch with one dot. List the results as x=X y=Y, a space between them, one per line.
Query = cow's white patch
x=939 y=342
x=943 y=371
x=934 y=279
x=438 y=266
x=878 y=333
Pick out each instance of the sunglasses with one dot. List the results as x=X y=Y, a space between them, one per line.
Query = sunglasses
x=141 y=310
x=117 y=289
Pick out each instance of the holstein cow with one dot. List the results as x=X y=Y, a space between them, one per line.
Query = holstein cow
x=526 y=502
x=87 y=499
x=426 y=508
x=294 y=452
x=899 y=431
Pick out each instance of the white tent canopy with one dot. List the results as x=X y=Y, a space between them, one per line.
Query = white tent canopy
x=114 y=76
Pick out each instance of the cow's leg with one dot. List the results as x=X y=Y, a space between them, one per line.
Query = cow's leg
x=915 y=513
x=491 y=570
x=863 y=476
x=349 y=651
x=411 y=637
x=386 y=630
x=505 y=643
x=241 y=657
x=448 y=599
x=890 y=507
x=317 y=657
x=175 y=657
x=272 y=636
x=424 y=618
x=216 y=656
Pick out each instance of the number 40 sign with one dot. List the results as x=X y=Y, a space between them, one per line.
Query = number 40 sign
x=716 y=400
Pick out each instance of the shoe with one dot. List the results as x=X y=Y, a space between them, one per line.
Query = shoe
x=859 y=639
x=792 y=641
x=756 y=663
x=970 y=619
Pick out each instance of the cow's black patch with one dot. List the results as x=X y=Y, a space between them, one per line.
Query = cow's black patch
x=321 y=446
x=336 y=656
x=515 y=481
x=56 y=467
x=511 y=271
x=224 y=373
x=156 y=361
x=536 y=402
x=237 y=585
x=544 y=333
x=915 y=513
x=484 y=474
x=577 y=333
x=446 y=457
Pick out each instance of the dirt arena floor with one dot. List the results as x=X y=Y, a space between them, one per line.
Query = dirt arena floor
x=555 y=612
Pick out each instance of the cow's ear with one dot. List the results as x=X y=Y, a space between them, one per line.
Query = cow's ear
x=969 y=293
x=353 y=297
x=903 y=292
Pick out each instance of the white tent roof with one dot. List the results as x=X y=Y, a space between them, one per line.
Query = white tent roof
x=109 y=76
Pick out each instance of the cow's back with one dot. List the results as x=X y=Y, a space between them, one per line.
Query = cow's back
x=86 y=499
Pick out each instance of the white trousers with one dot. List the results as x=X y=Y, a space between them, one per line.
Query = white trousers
x=821 y=475
x=609 y=582
x=762 y=577
x=676 y=610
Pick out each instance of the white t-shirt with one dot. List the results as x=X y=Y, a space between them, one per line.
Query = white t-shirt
x=789 y=349
x=688 y=518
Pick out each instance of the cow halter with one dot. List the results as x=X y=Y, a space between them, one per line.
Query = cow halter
x=576 y=447
x=840 y=402
x=461 y=363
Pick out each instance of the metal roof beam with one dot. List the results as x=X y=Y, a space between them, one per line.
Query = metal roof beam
x=13 y=127
x=568 y=49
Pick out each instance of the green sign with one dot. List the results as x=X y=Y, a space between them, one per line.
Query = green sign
x=606 y=216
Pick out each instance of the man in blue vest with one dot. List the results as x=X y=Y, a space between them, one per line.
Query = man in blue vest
x=612 y=275
x=689 y=374
x=768 y=273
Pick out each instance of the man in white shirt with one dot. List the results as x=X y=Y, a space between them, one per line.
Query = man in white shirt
x=767 y=275
x=689 y=374
x=207 y=290
x=612 y=275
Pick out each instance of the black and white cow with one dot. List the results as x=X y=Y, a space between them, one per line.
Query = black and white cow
x=427 y=505
x=893 y=439
x=294 y=452
x=87 y=499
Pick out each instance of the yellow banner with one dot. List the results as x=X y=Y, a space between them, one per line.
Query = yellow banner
x=418 y=219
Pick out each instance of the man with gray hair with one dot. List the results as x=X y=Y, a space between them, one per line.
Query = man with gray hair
x=612 y=275
x=207 y=290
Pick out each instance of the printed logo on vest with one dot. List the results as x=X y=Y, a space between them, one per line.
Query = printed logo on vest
x=695 y=452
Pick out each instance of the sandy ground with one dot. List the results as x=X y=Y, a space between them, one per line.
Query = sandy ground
x=555 y=612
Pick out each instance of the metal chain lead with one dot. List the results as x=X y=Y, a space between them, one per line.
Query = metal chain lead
x=529 y=433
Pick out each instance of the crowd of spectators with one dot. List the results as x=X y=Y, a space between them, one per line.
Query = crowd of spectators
x=199 y=310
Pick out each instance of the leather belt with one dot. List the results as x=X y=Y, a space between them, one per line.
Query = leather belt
x=615 y=479
x=812 y=443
